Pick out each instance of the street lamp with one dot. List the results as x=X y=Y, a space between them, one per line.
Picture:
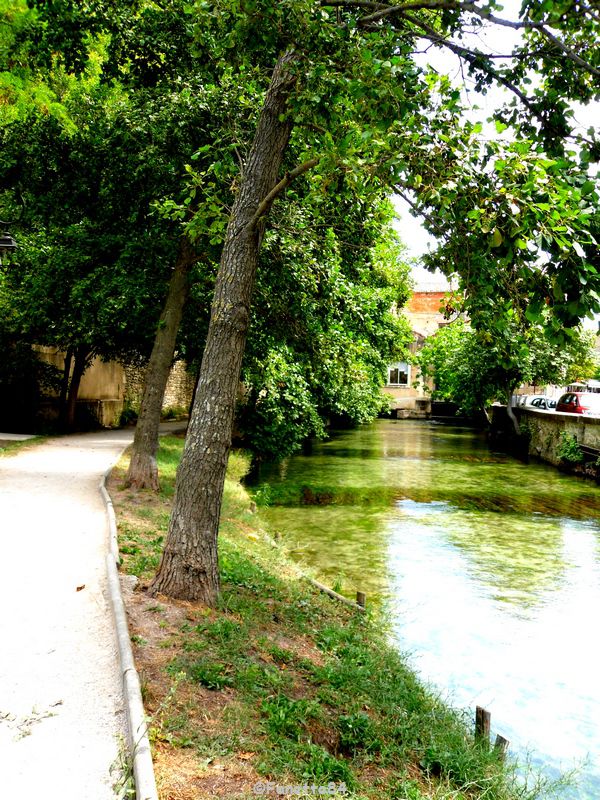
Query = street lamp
x=7 y=243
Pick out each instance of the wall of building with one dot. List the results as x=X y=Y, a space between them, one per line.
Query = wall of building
x=178 y=391
x=423 y=313
x=106 y=387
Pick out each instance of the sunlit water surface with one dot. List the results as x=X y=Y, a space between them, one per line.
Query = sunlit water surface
x=490 y=569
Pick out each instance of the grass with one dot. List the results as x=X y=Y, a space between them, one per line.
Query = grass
x=280 y=683
x=10 y=448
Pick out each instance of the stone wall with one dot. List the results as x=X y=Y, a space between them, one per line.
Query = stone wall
x=546 y=428
x=180 y=387
x=178 y=392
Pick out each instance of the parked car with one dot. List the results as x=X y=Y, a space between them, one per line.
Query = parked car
x=529 y=399
x=544 y=403
x=587 y=403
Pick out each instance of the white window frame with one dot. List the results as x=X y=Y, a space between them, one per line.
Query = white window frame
x=400 y=366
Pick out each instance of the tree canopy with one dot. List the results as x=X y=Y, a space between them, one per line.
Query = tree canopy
x=473 y=369
x=104 y=181
x=337 y=90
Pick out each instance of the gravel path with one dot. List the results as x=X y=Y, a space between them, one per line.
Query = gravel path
x=61 y=703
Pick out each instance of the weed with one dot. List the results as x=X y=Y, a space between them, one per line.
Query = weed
x=356 y=733
x=285 y=717
x=263 y=495
x=128 y=415
x=322 y=768
x=568 y=449
x=173 y=412
x=121 y=772
x=222 y=630
x=203 y=671
x=406 y=790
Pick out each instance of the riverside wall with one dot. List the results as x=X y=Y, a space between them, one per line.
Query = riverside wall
x=546 y=428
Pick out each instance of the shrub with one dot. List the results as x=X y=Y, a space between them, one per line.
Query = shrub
x=568 y=449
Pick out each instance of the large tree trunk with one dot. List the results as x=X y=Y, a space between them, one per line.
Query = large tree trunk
x=64 y=389
x=143 y=472
x=509 y=410
x=189 y=566
x=81 y=360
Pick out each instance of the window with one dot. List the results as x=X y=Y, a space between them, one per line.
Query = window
x=398 y=374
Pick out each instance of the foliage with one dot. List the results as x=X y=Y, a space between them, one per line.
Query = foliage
x=517 y=226
x=23 y=377
x=93 y=259
x=323 y=329
x=130 y=163
x=568 y=449
x=474 y=368
x=516 y=220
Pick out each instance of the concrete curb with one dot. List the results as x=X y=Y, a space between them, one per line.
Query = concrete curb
x=110 y=513
x=137 y=726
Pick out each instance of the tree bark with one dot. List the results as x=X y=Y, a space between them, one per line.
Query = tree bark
x=510 y=412
x=143 y=472
x=81 y=362
x=64 y=389
x=189 y=565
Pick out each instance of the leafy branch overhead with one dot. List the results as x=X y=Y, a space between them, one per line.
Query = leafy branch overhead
x=337 y=97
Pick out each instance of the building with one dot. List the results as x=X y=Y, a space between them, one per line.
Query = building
x=409 y=397
x=108 y=388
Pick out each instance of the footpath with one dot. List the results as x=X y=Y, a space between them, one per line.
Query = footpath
x=62 y=715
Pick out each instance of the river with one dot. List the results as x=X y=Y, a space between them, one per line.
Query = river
x=488 y=567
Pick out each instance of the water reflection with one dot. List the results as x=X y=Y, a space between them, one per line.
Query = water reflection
x=518 y=558
x=490 y=567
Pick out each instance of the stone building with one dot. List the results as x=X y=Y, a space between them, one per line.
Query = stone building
x=409 y=397
x=108 y=387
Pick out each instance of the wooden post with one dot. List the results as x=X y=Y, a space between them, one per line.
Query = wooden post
x=483 y=720
x=501 y=746
x=361 y=599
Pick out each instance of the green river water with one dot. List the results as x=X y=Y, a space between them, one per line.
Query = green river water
x=489 y=568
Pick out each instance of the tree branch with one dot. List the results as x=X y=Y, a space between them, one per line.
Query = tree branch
x=572 y=56
x=471 y=56
x=265 y=204
x=415 y=6
x=439 y=231
x=381 y=10
x=353 y=4
x=527 y=25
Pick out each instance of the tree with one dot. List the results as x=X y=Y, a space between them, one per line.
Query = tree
x=83 y=183
x=189 y=564
x=323 y=329
x=143 y=471
x=81 y=282
x=474 y=368
x=340 y=82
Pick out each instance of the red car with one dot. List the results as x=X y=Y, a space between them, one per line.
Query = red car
x=580 y=403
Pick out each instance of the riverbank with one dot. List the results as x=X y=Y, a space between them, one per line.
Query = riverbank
x=281 y=684
x=570 y=442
